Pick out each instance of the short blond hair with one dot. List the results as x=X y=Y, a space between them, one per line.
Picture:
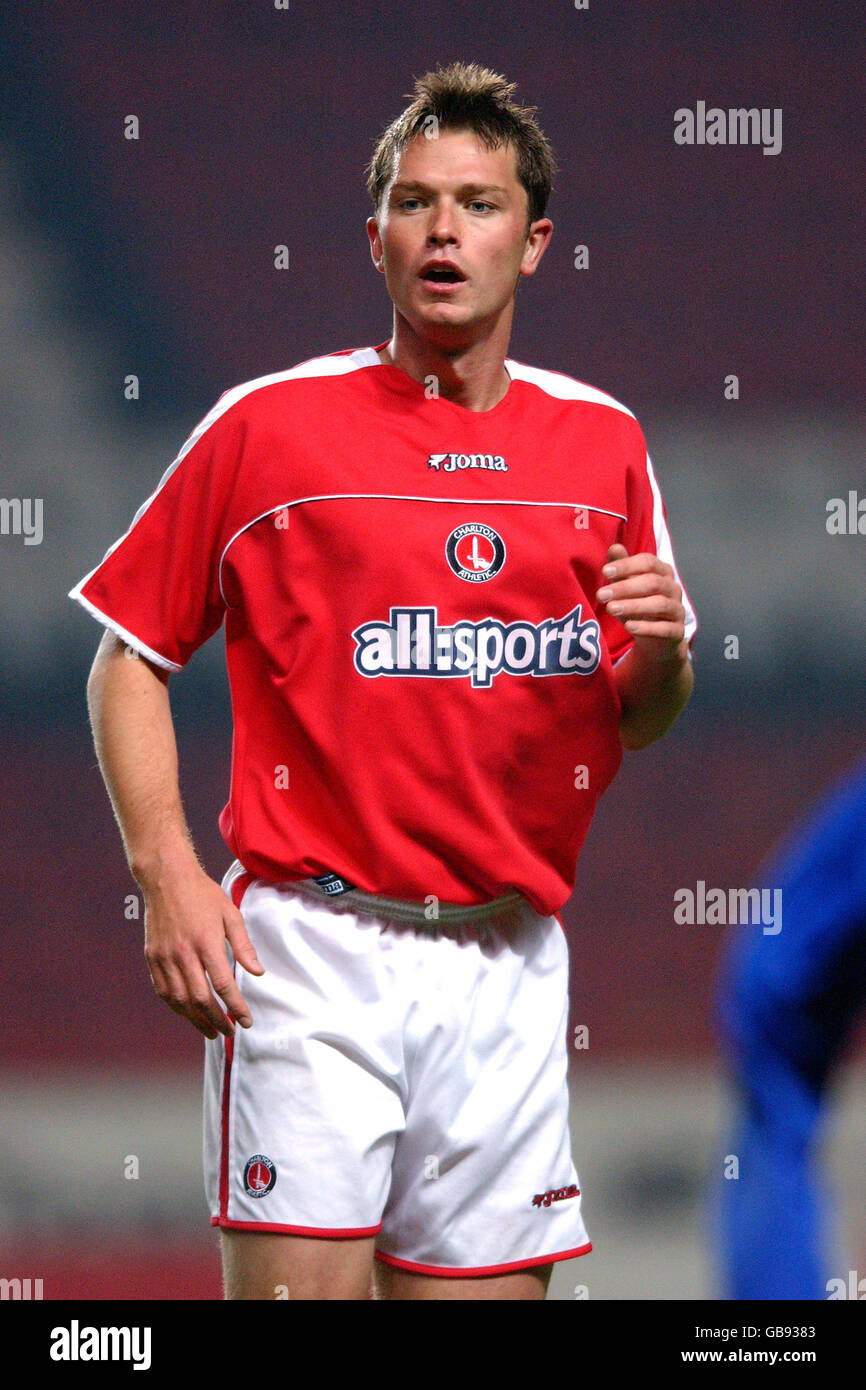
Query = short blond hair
x=465 y=96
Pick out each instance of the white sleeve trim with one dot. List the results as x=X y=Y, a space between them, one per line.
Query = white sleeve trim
x=128 y=637
x=665 y=550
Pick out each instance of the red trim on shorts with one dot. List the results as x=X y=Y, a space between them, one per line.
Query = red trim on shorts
x=239 y=887
x=325 y=1232
x=224 y=1155
x=444 y=1273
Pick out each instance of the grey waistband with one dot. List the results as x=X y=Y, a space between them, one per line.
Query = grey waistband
x=433 y=913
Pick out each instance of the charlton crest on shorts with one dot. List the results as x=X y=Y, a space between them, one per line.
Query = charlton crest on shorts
x=475 y=552
x=260 y=1175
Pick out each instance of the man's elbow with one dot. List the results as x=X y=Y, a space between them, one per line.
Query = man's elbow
x=110 y=654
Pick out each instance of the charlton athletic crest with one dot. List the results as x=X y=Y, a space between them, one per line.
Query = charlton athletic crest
x=260 y=1175
x=475 y=552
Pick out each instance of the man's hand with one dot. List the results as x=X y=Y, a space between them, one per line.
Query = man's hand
x=654 y=678
x=188 y=919
x=647 y=600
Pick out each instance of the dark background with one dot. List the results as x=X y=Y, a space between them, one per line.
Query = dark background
x=155 y=257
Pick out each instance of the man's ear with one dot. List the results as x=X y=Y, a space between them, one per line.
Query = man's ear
x=376 y=252
x=537 y=241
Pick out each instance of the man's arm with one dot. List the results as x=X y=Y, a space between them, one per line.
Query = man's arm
x=655 y=677
x=188 y=917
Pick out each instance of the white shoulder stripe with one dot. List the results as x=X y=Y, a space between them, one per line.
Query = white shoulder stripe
x=329 y=365
x=564 y=388
x=316 y=366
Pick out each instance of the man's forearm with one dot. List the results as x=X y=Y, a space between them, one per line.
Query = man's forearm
x=652 y=694
x=188 y=918
x=135 y=743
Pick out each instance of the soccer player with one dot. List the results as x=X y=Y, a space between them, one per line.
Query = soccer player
x=787 y=1005
x=450 y=600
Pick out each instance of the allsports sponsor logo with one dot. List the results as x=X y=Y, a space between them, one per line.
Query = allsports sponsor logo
x=413 y=644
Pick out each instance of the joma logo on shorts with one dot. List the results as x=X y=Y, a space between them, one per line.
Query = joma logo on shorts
x=556 y=1194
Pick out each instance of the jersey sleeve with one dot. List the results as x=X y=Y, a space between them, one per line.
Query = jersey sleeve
x=158 y=587
x=646 y=531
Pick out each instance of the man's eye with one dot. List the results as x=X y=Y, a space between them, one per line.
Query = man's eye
x=403 y=202
x=478 y=203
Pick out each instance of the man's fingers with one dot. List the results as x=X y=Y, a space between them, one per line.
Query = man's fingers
x=171 y=987
x=195 y=1017
x=181 y=983
x=657 y=607
x=620 y=566
x=199 y=970
x=640 y=586
x=243 y=949
x=668 y=632
x=225 y=985
x=644 y=576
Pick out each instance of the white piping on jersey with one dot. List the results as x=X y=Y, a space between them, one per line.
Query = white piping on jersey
x=665 y=550
x=333 y=364
x=400 y=497
x=128 y=637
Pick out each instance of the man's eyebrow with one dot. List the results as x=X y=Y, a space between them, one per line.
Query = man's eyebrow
x=415 y=186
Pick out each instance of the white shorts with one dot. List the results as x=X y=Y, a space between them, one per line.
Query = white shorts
x=404 y=1078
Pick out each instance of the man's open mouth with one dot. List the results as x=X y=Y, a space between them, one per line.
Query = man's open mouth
x=442 y=275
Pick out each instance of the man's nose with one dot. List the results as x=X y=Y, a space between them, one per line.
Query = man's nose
x=443 y=223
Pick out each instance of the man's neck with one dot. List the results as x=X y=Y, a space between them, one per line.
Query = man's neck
x=474 y=378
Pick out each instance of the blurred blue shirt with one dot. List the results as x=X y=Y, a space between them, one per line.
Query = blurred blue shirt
x=785 y=1008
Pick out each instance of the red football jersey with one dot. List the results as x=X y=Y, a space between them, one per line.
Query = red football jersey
x=421 y=684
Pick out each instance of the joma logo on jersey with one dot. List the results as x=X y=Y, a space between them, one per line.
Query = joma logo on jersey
x=412 y=644
x=449 y=463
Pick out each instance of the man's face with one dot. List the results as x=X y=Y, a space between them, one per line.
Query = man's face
x=452 y=199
